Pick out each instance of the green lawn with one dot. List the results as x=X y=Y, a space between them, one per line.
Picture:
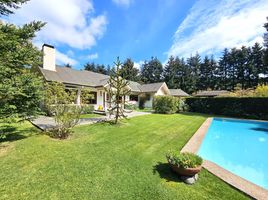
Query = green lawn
x=91 y=115
x=102 y=161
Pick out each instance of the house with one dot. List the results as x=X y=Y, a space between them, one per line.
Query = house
x=79 y=79
x=178 y=93
x=211 y=93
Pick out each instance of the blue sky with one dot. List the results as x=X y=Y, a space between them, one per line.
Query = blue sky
x=100 y=30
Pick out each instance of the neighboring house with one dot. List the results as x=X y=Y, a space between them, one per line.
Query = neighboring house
x=79 y=79
x=178 y=93
x=211 y=93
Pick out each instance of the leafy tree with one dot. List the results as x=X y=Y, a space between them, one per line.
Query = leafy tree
x=7 y=6
x=20 y=89
x=57 y=102
x=117 y=90
x=128 y=71
x=151 y=72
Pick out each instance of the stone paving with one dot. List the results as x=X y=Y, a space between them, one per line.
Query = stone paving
x=47 y=123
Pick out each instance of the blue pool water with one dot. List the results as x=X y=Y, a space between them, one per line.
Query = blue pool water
x=240 y=146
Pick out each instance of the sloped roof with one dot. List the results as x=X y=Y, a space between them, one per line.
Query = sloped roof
x=178 y=93
x=71 y=76
x=151 y=87
x=91 y=79
x=211 y=93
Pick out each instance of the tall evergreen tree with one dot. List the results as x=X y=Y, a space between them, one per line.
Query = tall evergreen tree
x=224 y=64
x=171 y=72
x=7 y=6
x=101 y=69
x=128 y=70
x=90 y=66
x=20 y=89
x=194 y=63
x=256 y=65
x=151 y=71
x=265 y=37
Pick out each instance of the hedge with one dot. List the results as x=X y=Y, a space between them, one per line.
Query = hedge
x=245 y=107
x=165 y=104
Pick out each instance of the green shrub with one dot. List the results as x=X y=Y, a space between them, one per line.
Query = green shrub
x=130 y=106
x=87 y=109
x=261 y=91
x=182 y=106
x=66 y=117
x=184 y=160
x=245 y=107
x=165 y=104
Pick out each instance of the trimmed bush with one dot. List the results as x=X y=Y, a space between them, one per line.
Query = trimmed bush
x=165 y=104
x=246 y=107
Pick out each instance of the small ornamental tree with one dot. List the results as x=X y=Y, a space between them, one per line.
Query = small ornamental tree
x=117 y=90
x=57 y=102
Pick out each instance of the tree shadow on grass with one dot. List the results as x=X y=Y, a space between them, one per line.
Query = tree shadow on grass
x=9 y=133
x=165 y=172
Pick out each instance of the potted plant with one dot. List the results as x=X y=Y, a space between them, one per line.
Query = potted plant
x=184 y=164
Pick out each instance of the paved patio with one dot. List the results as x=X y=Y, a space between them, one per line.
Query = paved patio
x=47 y=123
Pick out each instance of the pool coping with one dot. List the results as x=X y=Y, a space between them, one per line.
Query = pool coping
x=236 y=181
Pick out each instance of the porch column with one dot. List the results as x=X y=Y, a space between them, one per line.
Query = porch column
x=78 y=95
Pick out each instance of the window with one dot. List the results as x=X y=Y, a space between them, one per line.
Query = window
x=133 y=98
x=93 y=98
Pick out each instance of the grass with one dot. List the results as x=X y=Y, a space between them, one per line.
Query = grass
x=103 y=161
x=144 y=110
x=91 y=115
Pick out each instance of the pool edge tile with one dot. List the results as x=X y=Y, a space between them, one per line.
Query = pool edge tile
x=235 y=181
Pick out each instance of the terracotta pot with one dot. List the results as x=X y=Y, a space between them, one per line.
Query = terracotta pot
x=186 y=171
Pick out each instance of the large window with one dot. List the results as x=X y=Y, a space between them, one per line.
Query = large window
x=133 y=98
x=93 y=98
x=88 y=97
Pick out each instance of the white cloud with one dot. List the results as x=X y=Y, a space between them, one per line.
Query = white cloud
x=93 y=56
x=69 y=22
x=64 y=59
x=213 y=25
x=138 y=65
x=124 y=3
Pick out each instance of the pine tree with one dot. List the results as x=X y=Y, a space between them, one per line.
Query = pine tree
x=117 y=90
x=171 y=72
x=223 y=69
x=265 y=56
x=194 y=63
x=90 y=66
x=151 y=72
x=20 y=89
x=128 y=71
x=7 y=6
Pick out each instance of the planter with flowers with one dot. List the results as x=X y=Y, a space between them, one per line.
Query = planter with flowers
x=186 y=165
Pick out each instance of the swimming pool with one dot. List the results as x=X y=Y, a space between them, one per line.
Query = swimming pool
x=239 y=146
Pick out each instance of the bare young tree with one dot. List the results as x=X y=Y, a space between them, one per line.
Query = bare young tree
x=117 y=90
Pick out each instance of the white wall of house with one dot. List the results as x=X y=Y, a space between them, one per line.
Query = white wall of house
x=149 y=102
x=101 y=94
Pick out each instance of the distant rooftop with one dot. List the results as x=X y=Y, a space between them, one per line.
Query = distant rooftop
x=211 y=93
x=178 y=93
